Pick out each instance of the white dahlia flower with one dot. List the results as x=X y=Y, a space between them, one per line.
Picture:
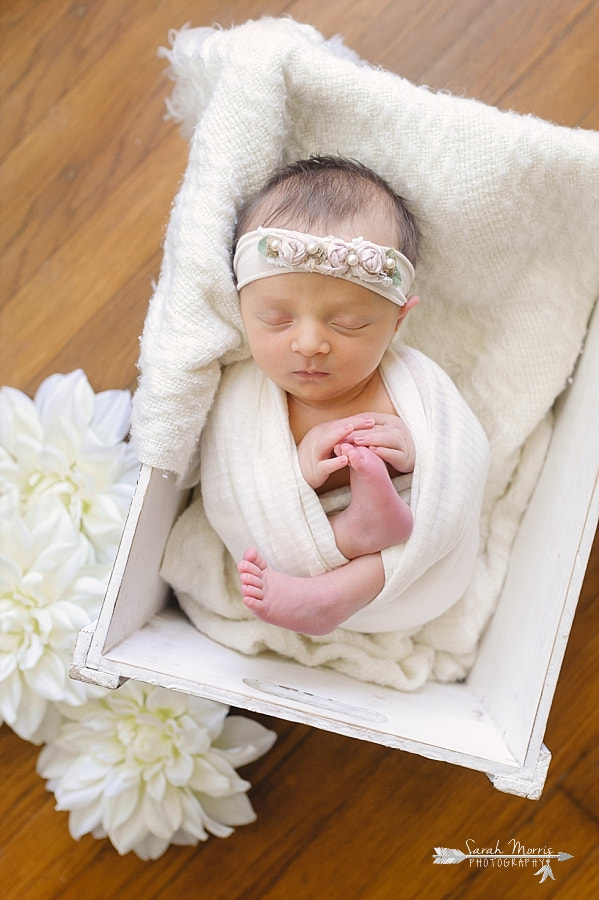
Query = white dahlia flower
x=68 y=443
x=147 y=767
x=46 y=595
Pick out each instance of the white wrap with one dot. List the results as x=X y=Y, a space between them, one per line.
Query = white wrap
x=254 y=493
x=508 y=275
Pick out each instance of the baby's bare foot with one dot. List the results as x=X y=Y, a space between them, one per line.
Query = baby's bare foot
x=314 y=605
x=376 y=517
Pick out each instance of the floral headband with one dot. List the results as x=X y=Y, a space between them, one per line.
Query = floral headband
x=276 y=251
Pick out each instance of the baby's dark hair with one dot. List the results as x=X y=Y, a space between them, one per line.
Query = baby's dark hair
x=317 y=192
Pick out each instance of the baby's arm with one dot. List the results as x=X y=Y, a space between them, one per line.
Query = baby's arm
x=319 y=450
x=390 y=439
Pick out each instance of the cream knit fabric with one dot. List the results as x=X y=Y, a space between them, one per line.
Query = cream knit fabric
x=508 y=274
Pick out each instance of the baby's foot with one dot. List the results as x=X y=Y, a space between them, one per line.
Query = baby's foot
x=376 y=517
x=314 y=605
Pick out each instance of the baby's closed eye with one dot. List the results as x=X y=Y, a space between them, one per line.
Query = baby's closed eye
x=349 y=324
x=275 y=319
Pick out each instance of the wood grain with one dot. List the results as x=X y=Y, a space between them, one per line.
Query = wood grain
x=88 y=171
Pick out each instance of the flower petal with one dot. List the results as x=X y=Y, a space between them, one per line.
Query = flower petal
x=67 y=396
x=84 y=820
x=117 y=809
x=151 y=847
x=112 y=412
x=156 y=786
x=121 y=778
x=165 y=817
x=48 y=678
x=235 y=809
x=29 y=715
x=131 y=833
x=193 y=815
x=180 y=769
x=11 y=692
x=243 y=740
x=69 y=798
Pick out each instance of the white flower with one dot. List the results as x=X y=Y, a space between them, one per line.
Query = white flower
x=46 y=596
x=68 y=443
x=147 y=767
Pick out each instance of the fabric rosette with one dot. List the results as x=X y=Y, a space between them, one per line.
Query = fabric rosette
x=292 y=251
x=149 y=767
x=337 y=256
x=371 y=259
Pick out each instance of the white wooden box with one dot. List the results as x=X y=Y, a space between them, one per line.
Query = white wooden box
x=494 y=722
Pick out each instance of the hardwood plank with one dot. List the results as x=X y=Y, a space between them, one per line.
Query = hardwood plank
x=93 y=135
x=500 y=45
x=557 y=826
x=581 y=782
x=55 y=178
x=573 y=100
x=45 y=56
x=88 y=173
x=116 y=324
x=350 y=26
x=19 y=803
x=569 y=736
x=42 y=58
x=26 y=64
x=91 y=139
x=407 y=37
x=70 y=287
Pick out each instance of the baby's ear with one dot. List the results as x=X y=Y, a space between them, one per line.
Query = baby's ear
x=405 y=309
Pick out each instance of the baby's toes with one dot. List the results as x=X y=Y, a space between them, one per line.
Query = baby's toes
x=251 y=576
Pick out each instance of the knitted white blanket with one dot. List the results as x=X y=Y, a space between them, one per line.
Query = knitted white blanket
x=508 y=274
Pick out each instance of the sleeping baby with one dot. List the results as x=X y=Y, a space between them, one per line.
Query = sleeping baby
x=355 y=434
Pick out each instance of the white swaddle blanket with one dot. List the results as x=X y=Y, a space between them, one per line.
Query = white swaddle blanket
x=254 y=494
x=508 y=275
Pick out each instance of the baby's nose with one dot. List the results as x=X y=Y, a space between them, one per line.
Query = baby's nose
x=309 y=339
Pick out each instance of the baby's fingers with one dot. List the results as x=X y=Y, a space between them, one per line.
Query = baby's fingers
x=332 y=434
x=328 y=466
x=400 y=460
x=344 y=429
x=382 y=437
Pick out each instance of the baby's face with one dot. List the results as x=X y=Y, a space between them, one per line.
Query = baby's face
x=318 y=337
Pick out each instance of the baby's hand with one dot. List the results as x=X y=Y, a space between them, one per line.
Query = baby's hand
x=319 y=450
x=390 y=439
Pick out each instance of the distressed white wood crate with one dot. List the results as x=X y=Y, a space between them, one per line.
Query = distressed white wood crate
x=494 y=722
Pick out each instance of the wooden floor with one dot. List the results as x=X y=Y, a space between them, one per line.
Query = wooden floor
x=88 y=172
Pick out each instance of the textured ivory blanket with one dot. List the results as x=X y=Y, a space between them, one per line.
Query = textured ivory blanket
x=508 y=275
